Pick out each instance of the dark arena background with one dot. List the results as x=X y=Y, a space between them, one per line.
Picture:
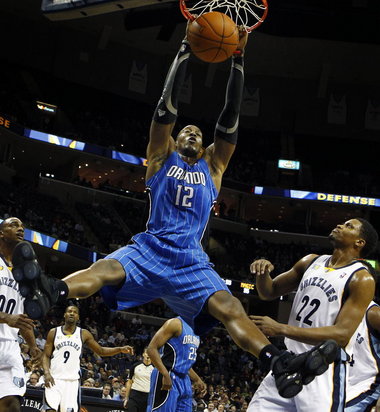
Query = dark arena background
x=77 y=91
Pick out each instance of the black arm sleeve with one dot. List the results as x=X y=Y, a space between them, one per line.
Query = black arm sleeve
x=228 y=122
x=166 y=110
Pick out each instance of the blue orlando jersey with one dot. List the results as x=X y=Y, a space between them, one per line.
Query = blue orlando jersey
x=181 y=198
x=180 y=353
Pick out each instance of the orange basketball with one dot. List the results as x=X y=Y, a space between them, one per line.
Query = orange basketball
x=213 y=37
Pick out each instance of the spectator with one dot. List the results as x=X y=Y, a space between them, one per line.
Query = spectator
x=122 y=395
x=33 y=381
x=106 y=392
x=210 y=407
x=40 y=341
x=115 y=386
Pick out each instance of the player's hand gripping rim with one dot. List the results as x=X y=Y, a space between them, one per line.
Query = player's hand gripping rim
x=243 y=38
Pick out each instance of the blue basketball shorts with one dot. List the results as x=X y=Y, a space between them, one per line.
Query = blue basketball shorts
x=183 y=278
x=178 y=399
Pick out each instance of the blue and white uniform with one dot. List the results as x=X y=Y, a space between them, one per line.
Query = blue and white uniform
x=320 y=296
x=363 y=383
x=167 y=260
x=178 y=355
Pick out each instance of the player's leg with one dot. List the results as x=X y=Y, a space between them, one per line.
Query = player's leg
x=12 y=376
x=266 y=398
x=327 y=392
x=10 y=404
x=43 y=291
x=290 y=371
x=229 y=310
x=184 y=404
x=70 y=396
x=52 y=396
x=80 y=284
x=185 y=398
x=86 y=282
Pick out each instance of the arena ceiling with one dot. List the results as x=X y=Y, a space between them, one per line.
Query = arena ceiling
x=298 y=37
x=343 y=20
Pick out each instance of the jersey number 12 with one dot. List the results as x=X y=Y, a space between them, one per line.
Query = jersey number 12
x=183 y=196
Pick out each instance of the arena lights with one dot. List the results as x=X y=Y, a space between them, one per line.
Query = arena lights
x=289 y=164
x=46 y=107
x=323 y=197
x=84 y=147
x=53 y=139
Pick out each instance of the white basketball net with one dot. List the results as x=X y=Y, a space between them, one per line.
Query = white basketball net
x=249 y=13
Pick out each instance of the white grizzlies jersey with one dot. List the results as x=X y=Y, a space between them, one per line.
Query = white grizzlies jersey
x=320 y=296
x=10 y=300
x=364 y=351
x=65 y=360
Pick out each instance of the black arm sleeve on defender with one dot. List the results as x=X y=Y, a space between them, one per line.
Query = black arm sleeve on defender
x=166 y=110
x=228 y=122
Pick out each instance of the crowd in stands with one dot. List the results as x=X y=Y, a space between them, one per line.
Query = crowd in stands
x=113 y=224
x=103 y=224
x=235 y=253
x=40 y=212
x=230 y=374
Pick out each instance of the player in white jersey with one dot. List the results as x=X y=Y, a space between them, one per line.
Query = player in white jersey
x=363 y=382
x=12 y=321
x=61 y=362
x=333 y=293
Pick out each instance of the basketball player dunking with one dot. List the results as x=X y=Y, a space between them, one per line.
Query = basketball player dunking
x=61 y=362
x=173 y=350
x=167 y=261
x=333 y=293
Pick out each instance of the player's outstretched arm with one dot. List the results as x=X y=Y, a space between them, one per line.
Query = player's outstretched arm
x=46 y=356
x=226 y=130
x=161 y=144
x=171 y=328
x=88 y=340
x=268 y=288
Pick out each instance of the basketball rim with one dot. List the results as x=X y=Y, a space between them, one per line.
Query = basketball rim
x=248 y=13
